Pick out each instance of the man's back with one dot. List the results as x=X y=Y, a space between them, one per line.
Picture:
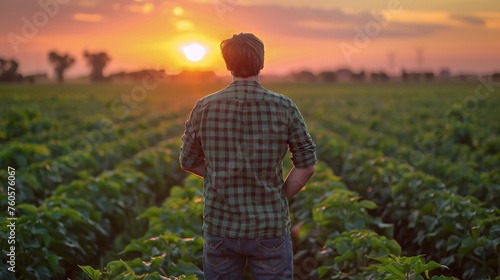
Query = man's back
x=244 y=132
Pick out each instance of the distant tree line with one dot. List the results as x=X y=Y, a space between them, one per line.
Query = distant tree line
x=99 y=60
x=339 y=75
x=61 y=63
x=9 y=72
x=347 y=75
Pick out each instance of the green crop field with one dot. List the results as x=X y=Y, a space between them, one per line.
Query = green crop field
x=408 y=181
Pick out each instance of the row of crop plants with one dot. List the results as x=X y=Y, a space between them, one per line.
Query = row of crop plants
x=171 y=247
x=429 y=218
x=87 y=219
x=433 y=176
x=468 y=169
x=40 y=172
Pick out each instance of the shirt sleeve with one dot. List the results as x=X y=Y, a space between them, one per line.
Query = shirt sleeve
x=191 y=152
x=300 y=142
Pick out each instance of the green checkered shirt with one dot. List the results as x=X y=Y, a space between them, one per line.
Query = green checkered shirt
x=242 y=133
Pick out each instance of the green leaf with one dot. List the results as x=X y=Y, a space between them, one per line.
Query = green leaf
x=442 y=278
x=93 y=274
x=453 y=242
x=419 y=267
x=323 y=270
x=190 y=277
x=394 y=247
x=28 y=208
x=430 y=222
x=131 y=271
x=304 y=231
x=54 y=262
x=367 y=204
x=114 y=266
x=468 y=244
x=73 y=214
x=152 y=276
x=42 y=272
x=151 y=212
x=392 y=269
x=134 y=247
x=188 y=267
x=32 y=244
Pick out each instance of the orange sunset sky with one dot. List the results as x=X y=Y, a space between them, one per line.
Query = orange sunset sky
x=463 y=36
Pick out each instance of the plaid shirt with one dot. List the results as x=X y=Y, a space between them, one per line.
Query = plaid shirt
x=242 y=134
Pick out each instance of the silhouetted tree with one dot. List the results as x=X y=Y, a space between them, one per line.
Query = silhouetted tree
x=97 y=61
x=61 y=63
x=327 y=76
x=8 y=71
x=404 y=75
x=304 y=76
x=429 y=76
x=495 y=77
x=379 y=76
x=361 y=76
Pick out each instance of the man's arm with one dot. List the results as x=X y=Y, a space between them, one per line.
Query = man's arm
x=191 y=153
x=198 y=170
x=296 y=179
x=303 y=152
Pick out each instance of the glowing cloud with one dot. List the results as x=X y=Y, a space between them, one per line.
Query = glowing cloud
x=178 y=11
x=87 y=17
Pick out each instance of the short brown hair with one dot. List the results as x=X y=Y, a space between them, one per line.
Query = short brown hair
x=243 y=54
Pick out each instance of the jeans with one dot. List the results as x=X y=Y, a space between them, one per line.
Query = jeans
x=225 y=258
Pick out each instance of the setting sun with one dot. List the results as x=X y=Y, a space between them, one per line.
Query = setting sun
x=194 y=52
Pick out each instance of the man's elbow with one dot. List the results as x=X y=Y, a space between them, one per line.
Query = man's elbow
x=310 y=169
x=183 y=167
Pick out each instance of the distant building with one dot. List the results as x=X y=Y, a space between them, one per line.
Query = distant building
x=444 y=74
x=138 y=75
x=417 y=76
x=495 y=77
x=379 y=76
x=344 y=75
x=35 y=77
x=327 y=76
x=304 y=76
x=194 y=76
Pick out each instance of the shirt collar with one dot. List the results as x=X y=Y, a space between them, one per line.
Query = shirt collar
x=246 y=83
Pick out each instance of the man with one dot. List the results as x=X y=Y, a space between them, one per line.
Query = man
x=236 y=139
